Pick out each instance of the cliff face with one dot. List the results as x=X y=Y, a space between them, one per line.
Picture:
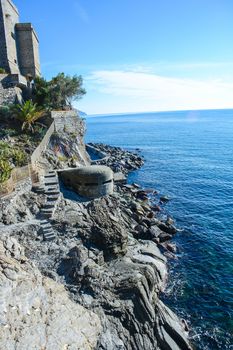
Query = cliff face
x=67 y=147
x=35 y=311
x=67 y=150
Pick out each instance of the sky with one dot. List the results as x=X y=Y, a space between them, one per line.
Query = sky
x=138 y=55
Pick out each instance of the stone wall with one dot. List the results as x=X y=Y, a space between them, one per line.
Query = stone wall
x=17 y=175
x=68 y=121
x=9 y=92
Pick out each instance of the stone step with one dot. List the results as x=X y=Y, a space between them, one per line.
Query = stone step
x=51 y=197
x=38 y=189
x=49 y=237
x=52 y=182
x=50 y=177
x=44 y=222
x=52 y=193
x=47 y=212
x=54 y=187
x=48 y=233
x=45 y=229
x=50 y=204
x=47 y=176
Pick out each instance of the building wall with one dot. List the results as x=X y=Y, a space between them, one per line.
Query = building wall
x=35 y=43
x=9 y=16
x=19 y=45
x=28 y=49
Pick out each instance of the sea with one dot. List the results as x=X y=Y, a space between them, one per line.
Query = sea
x=189 y=158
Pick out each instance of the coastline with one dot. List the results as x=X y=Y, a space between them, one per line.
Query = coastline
x=107 y=256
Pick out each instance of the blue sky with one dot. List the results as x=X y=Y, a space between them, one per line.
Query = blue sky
x=139 y=55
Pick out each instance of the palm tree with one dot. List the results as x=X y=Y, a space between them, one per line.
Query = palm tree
x=27 y=113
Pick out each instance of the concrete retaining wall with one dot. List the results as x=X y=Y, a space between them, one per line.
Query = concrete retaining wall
x=36 y=155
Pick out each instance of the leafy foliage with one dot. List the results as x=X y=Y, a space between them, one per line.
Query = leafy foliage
x=2 y=71
x=27 y=113
x=5 y=170
x=59 y=92
x=19 y=157
x=12 y=155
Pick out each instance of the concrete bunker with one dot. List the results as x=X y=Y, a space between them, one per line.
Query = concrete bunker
x=90 y=181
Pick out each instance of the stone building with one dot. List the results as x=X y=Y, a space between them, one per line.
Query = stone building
x=19 y=55
x=19 y=45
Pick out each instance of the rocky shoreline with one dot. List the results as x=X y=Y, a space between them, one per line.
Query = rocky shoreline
x=110 y=254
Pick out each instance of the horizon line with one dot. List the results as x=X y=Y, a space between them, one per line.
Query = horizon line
x=162 y=111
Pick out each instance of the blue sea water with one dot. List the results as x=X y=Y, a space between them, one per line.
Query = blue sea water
x=189 y=157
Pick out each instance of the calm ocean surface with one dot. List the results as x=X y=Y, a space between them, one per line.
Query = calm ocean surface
x=189 y=157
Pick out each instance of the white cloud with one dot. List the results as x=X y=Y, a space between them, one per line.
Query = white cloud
x=144 y=91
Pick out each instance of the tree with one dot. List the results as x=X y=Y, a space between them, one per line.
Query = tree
x=41 y=92
x=59 y=92
x=27 y=113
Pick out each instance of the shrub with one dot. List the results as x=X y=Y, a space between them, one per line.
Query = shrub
x=7 y=132
x=5 y=170
x=4 y=112
x=12 y=155
x=19 y=157
x=2 y=71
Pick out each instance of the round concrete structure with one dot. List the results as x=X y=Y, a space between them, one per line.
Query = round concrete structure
x=91 y=181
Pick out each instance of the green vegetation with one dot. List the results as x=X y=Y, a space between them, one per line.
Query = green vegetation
x=2 y=71
x=58 y=93
x=20 y=122
x=5 y=170
x=19 y=157
x=4 y=113
x=12 y=154
x=27 y=114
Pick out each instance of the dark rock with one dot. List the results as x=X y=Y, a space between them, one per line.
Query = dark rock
x=171 y=247
x=154 y=232
x=164 y=199
x=156 y=208
x=163 y=237
x=167 y=228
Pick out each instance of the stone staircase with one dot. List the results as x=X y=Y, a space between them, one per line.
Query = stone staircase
x=48 y=231
x=51 y=189
x=52 y=192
